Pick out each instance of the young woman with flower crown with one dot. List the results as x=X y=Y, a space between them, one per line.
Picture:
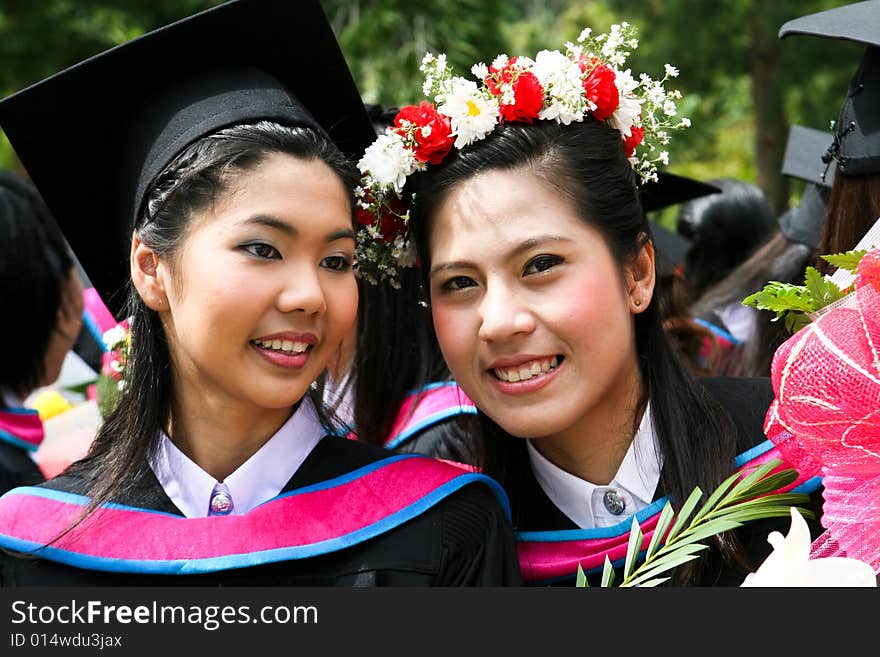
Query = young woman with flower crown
x=526 y=217
x=214 y=468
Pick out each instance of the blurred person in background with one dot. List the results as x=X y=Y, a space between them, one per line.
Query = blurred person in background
x=43 y=296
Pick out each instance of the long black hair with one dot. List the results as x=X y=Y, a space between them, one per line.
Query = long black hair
x=191 y=182
x=34 y=267
x=585 y=163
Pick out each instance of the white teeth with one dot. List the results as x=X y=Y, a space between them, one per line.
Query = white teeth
x=527 y=371
x=287 y=346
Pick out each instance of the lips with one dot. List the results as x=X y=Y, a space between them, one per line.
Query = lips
x=287 y=349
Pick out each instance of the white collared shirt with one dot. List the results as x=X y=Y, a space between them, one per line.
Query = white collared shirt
x=585 y=503
x=257 y=480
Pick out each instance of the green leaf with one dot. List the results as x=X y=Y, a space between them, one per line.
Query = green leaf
x=607 y=573
x=743 y=485
x=660 y=529
x=775 y=481
x=710 y=529
x=781 y=500
x=823 y=291
x=654 y=582
x=668 y=560
x=849 y=260
x=581 y=578
x=633 y=547
x=685 y=512
x=679 y=559
x=723 y=487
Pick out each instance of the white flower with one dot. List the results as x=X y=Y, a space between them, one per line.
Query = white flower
x=114 y=336
x=669 y=108
x=584 y=35
x=671 y=71
x=472 y=114
x=480 y=71
x=626 y=115
x=686 y=122
x=561 y=79
x=500 y=62
x=664 y=157
x=790 y=565
x=388 y=161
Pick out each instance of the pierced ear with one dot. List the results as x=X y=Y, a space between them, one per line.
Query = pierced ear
x=145 y=274
x=641 y=276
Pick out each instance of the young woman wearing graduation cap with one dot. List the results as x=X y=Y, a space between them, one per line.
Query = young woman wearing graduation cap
x=211 y=137
x=537 y=255
x=44 y=301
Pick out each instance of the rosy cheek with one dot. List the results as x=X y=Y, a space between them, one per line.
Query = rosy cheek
x=451 y=330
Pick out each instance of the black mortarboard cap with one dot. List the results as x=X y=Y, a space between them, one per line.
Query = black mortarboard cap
x=670 y=248
x=856 y=145
x=803 y=223
x=803 y=156
x=93 y=136
x=671 y=189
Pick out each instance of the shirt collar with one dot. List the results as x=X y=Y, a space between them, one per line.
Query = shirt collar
x=262 y=477
x=637 y=477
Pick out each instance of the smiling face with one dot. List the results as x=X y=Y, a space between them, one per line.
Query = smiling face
x=533 y=314
x=261 y=293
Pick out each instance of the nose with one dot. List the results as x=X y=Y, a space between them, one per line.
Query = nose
x=504 y=315
x=302 y=292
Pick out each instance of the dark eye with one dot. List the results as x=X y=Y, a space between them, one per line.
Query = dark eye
x=262 y=250
x=336 y=263
x=541 y=263
x=458 y=283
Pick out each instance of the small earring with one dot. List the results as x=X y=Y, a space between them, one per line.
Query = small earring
x=637 y=302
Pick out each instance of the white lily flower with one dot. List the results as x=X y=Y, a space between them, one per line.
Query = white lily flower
x=790 y=565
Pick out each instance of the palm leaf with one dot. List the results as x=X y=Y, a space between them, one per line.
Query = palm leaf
x=608 y=573
x=633 y=547
x=737 y=500
x=660 y=529
x=581 y=577
x=684 y=513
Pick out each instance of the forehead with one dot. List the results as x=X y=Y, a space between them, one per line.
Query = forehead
x=498 y=210
x=305 y=192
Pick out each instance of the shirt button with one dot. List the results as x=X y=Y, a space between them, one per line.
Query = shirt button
x=614 y=502
x=221 y=504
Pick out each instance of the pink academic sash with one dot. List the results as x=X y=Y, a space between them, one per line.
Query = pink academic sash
x=425 y=407
x=21 y=427
x=548 y=556
x=307 y=522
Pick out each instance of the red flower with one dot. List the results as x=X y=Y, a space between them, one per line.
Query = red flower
x=528 y=94
x=436 y=144
x=634 y=139
x=600 y=88
x=391 y=224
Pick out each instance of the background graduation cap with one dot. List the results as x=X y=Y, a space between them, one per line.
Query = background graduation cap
x=856 y=144
x=803 y=161
x=93 y=136
x=670 y=189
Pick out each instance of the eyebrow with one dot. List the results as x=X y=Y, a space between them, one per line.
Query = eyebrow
x=288 y=229
x=528 y=245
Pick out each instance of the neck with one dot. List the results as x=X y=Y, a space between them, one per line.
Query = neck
x=594 y=447
x=219 y=436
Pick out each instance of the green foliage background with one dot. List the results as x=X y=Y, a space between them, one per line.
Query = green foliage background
x=721 y=48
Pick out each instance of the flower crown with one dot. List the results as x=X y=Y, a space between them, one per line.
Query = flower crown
x=586 y=80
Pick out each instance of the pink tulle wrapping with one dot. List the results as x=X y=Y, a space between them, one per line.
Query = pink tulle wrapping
x=826 y=416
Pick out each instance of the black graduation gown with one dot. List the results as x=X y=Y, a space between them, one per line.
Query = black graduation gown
x=747 y=401
x=463 y=540
x=17 y=468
